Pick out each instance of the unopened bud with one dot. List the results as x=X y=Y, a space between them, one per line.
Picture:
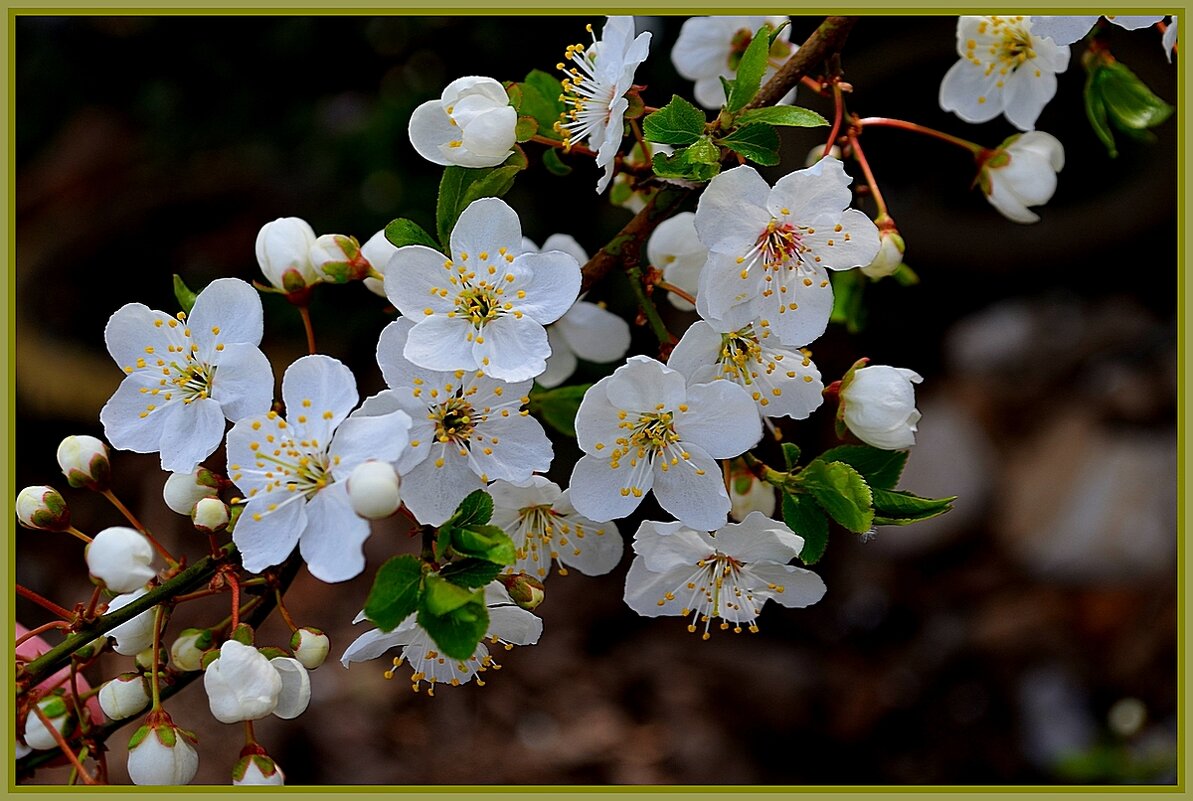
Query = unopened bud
x=890 y=254
x=37 y=736
x=124 y=696
x=283 y=252
x=144 y=659
x=210 y=515
x=184 y=490
x=310 y=647
x=186 y=652
x=373 y=490
x=42 y=508
x=135 y=635
x=84 y=462
x=121 y=558
x=748 y=494
x=257 y=769
x=160 y=753
x=526 y=591
x=339 y=258
x=817 y=153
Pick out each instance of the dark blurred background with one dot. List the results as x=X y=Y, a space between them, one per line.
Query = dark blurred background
x=1029 y=636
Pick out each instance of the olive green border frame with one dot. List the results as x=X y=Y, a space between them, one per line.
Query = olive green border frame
x=543 y=7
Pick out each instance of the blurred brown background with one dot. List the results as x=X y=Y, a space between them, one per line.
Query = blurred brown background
x=1029 y=636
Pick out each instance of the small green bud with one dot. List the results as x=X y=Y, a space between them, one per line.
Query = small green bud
x=526 y=591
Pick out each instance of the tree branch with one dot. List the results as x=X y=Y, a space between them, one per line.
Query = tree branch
x=824 y=41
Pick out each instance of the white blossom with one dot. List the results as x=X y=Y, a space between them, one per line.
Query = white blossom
x=183 y=490
x=241 y=684
x=1168 y=40
x=1005 y=68
x=1067 y=30
x=675 y=248
x=210 y=515
x=547 y=530
x=469 y=429
x=878 y=406
x=378 y=251
x=293 y=471
x=185 y=375
x=770 y=249
x=890 y=255
x=295 y=694
x=749 y=494
x=709 y=49
x=124 y=696
x=509 y=625
x=470 y=125
x=310 y=647
x=644 y=428
x=36 y=734
x=728 y=575
x=84 y=461
x=284 y=254
x=595 y=89
x=485 y=307
x=186 y=652
x=1022 y=173
x=162 y=754
x=121 y=558
x=42 y=508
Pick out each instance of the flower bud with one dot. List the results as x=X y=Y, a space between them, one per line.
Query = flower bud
x=471 y=124
x=210 y=515
x=184 y=490
x=133 y=636
x=296 y=687
x=338 y=258
x=36 y=735
x=186 y=652
x=526 y=591
x=377 y=250
x=816 y=153
x=42 y=508
x=878 y=406
x=1021 y=173
x=160 y=753
x=241 y=684
x=748 y=494
x=283 y=252
x=84 y=462
x=257 y=769
x=310 y=647
x=144 y=659
x=124 y=696
x=120 y=557
x=890 y=254
x=373 y=490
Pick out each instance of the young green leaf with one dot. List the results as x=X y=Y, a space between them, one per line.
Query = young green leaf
x=186 y=298
x=475 y=509
x=558 y=406
x=880 y=468
x=540 y=100
x=803 y=516
x=525 y=128
x=842 y=492
x=700 y=161
x=677 y=123
x=442 y=596
x=749 y=71
x=395 y=592
x=484 y=542
x=458 y=632
x=782 y=115
x=757 y=141
x=402 y=232
x=895 y=508
x=471 y=572
x=790 y=455
x=462 y=185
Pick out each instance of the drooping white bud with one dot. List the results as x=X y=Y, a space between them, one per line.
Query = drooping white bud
x=890 y=254
x=257 y=770
x=210 y=515
x=124 y=696
x=37 y=736
x=186 y=652
x=184 y=490
x=241 y=684
x=121 y=558
x=373 y=490
x=283 y=252
x=84 y=462
x=133 y=636
x=471 y=125
x=42 y=508
x=878 y=406
x=377 y=250
x=310 y=647
x=162 y=754
x=338 y=259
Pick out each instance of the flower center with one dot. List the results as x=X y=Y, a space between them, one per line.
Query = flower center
x=652 y=432
x=718 y=587
x=479 y=304
x=586 y=99
x=193 y=379
x=779 y=243
x=454 y=420
x=433 y=667
x=740 y=354
x=1006 y=54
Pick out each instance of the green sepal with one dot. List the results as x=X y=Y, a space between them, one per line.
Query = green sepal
x=138 y=736
x=897 y=508
x=905 y=276
x=165 y=736
x=471 y=572
x=243 y=634
x=881 y=469
x=395 y=592
x=402 y=232
x=750 y=71
x=790 y=455
x=186 y=298
x=741 y=484
x=1116 y=99
x=793 y=116
x=442 y=596
x=677 y=123
x=804 y=516
x=757 y=141
x=53 y=706
x=458 y=632
x=273 y=652
x=841 y=491
x=558 y=406
x=554 y=164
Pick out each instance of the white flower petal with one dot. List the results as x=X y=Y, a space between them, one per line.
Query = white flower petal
x=700 y=346
x=415 y=277
x=296 y=687
x=560 y=364
x=596 y=488
x=642 y=383
x=190 y=433
x=243 y=382
x=434 y=488
x=721 y=419
x=124 y=428
x=234 y=308
x=442 y=344
x=515 y=625
x=323 y=390
x=759 y=539
x=510 y=349
x=332 y=541
x=520 y=447
x=267 y=541
x=551 y=281
x=1027 y=92
x=800 y=587
x=486 y=226
x=594 y=333
x=804 y=195
x=362 y=438
x=970 y=93
x=855 y=245
x=1062 y=30
x=693 y=489
x=732 y=211
x=375 y=642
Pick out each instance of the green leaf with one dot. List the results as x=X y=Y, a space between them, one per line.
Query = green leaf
x=842 y=492
x=558 y=406
x=186 y=298
x=790 y=455
x=475 y=509
x=848 y=308
x=554 y=164
x=471 y=572
x=700 y=161
x=540 y=100
x=1095 y=111
x=1130 y=104
x=895 y=508
x=782 y=115
x=402 y=232
x=395 y=592
x=757 y=141
x=463 y=185
x=484 y=542
x=750 y=71
x=677 y=123
x=495 y=183
x=442 y=596
x=525 y=128
x=458 y=632
x=881 y=469
x=803 y=516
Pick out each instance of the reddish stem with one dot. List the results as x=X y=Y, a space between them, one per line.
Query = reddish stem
x=285 y=613
x=921 y=129
x=235 y=584
x=62 y=744
x=56 y=624
x=44 y=603
x=838 y=113
x=674 y=290
x=305 y=313
x=124 y=510
x=860 y=157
